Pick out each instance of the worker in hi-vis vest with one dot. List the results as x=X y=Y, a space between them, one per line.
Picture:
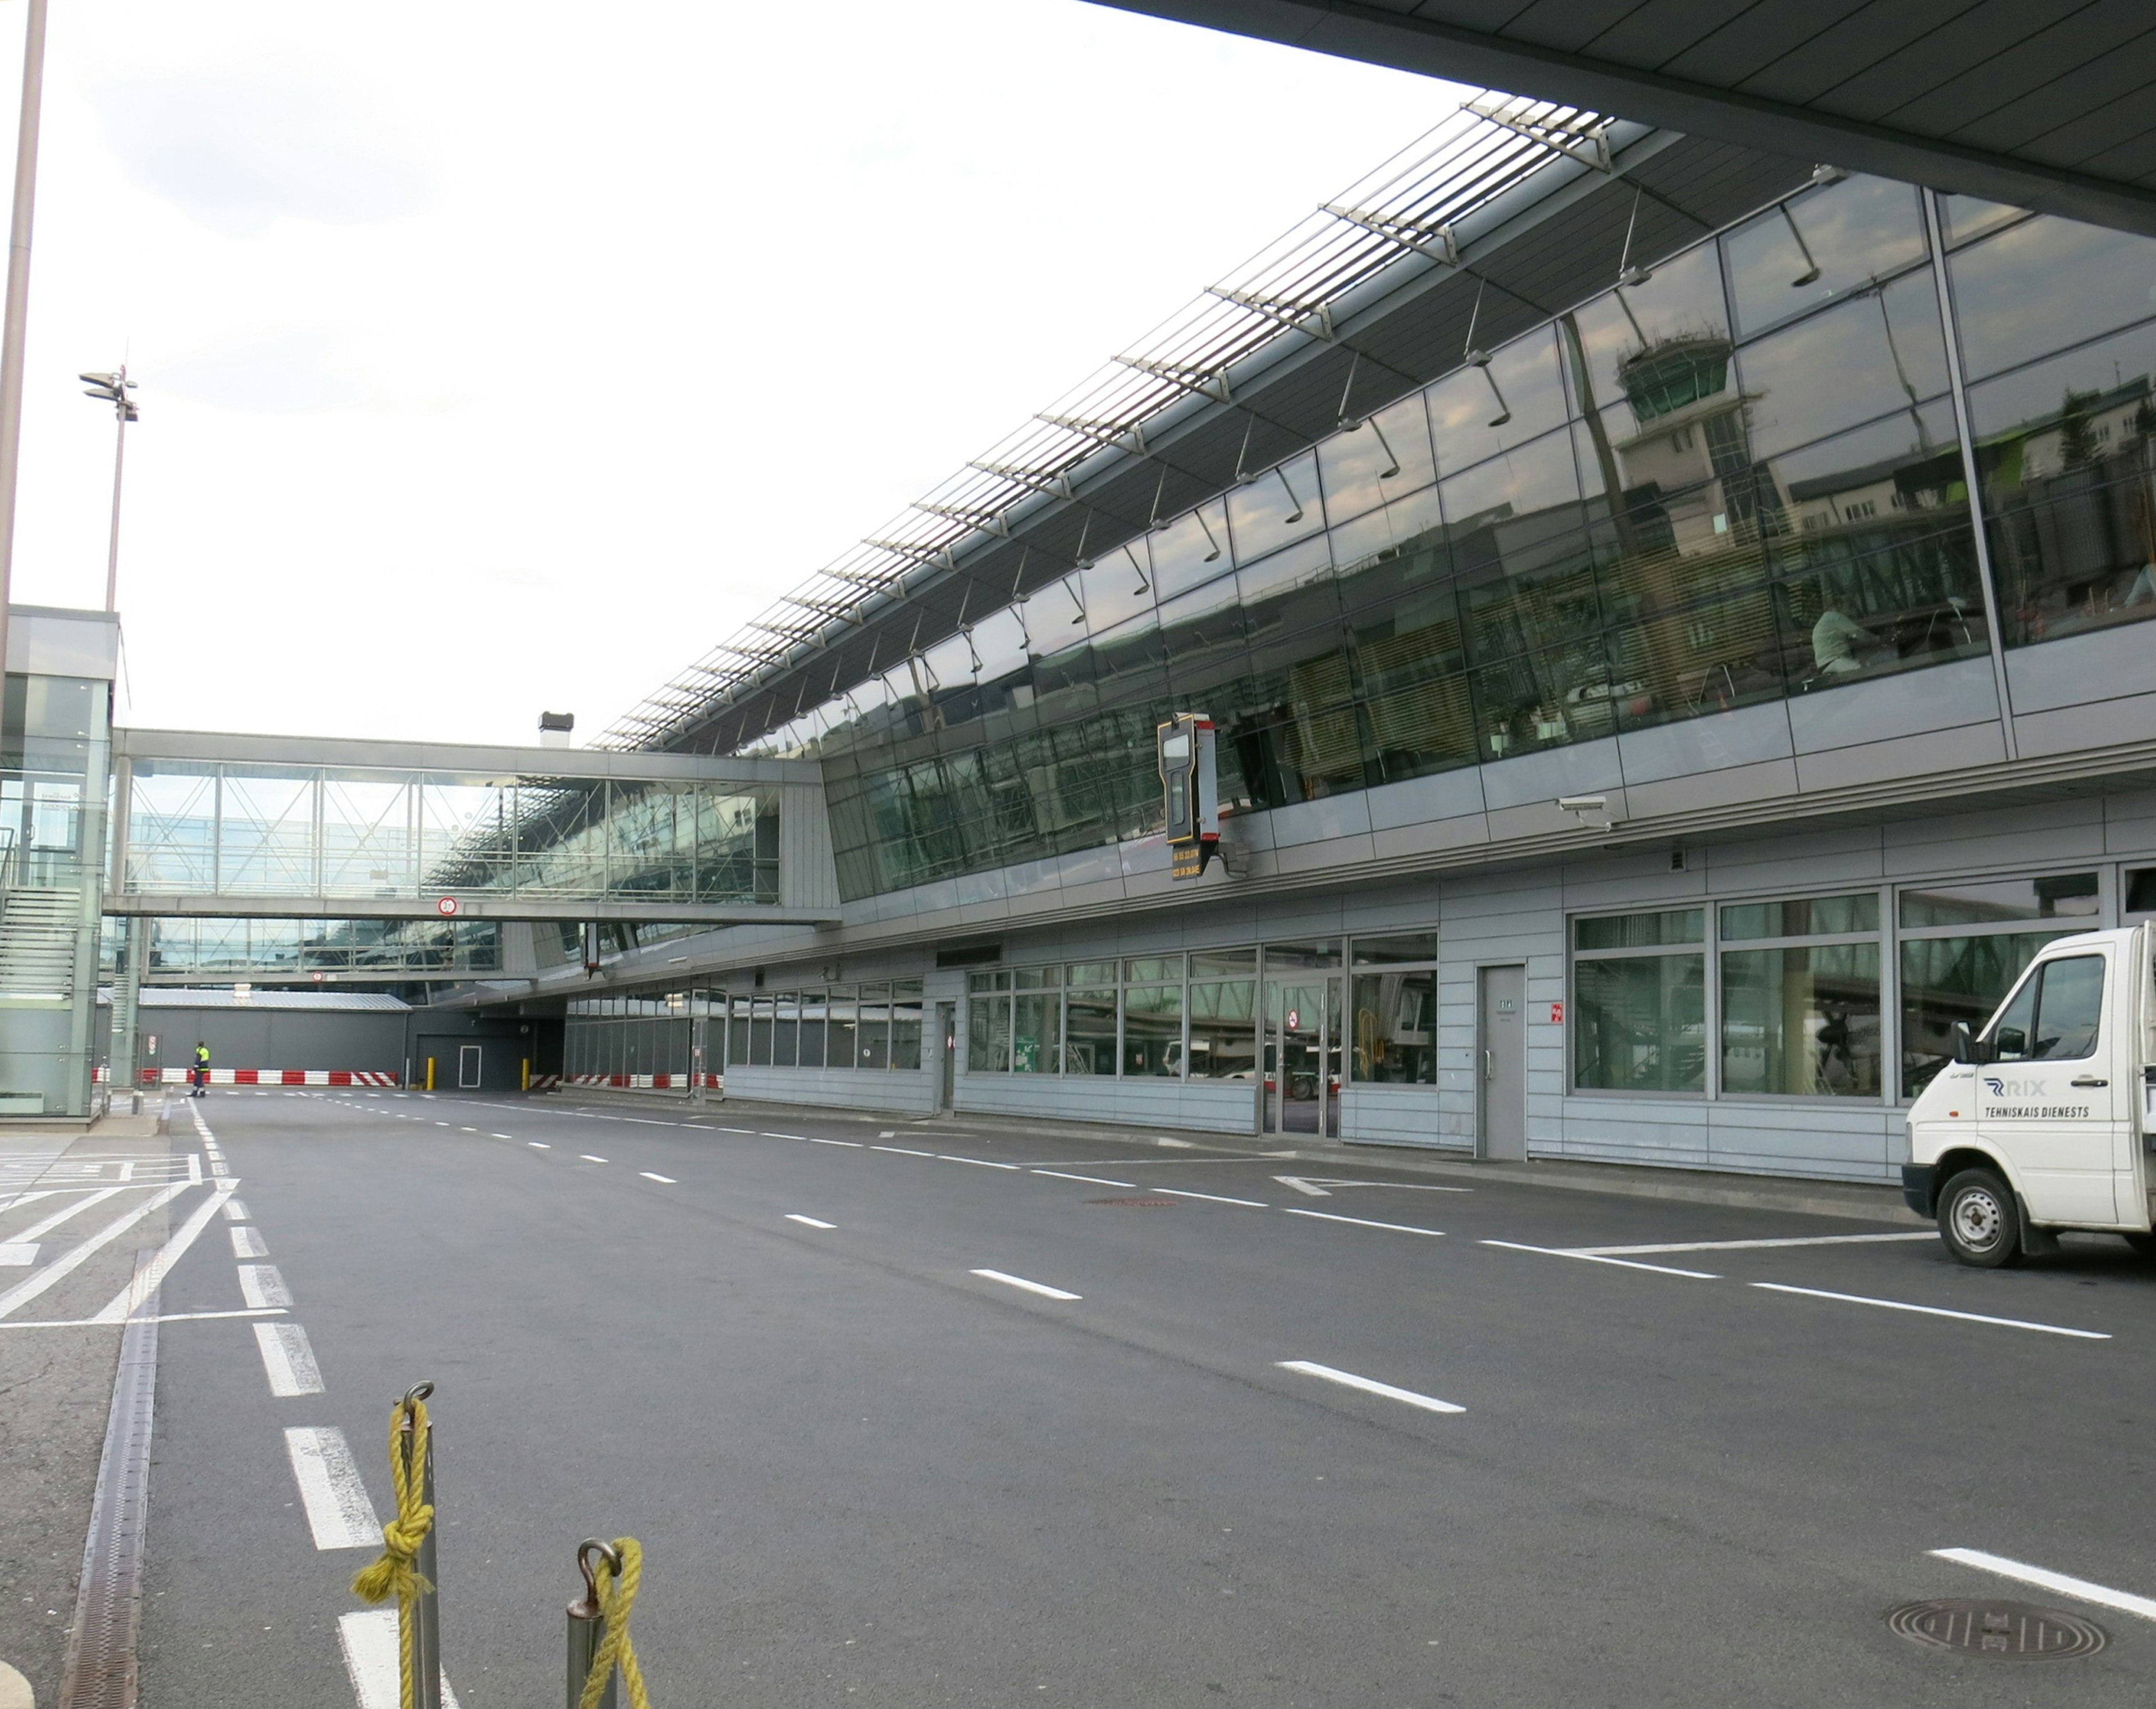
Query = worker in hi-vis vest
x=201 y=1071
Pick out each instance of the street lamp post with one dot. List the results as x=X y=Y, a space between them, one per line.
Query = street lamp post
x=15 y=319
x=113 y=389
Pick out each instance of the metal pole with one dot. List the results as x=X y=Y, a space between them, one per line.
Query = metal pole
x=18 y=310
x=118 y=462
x=427 y=1613
x=587 y=1628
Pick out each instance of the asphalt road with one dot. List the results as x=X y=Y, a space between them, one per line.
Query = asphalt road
x=862 y=1469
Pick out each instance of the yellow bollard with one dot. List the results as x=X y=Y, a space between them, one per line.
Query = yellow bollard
x=527 y=1073
x=430 y=1073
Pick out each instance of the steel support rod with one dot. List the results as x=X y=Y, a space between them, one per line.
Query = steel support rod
x=15 y=319
x=112 y=550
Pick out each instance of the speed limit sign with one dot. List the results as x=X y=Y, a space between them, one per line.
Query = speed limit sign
x=446 y=905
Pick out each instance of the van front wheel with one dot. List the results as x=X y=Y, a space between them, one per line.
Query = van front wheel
x=1979 y=1221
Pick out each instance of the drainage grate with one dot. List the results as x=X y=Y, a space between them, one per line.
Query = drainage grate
x=2003 y=1631
x=1136 y=1204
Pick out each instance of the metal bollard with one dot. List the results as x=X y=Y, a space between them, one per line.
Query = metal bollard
x=587 y=1627
x=427 y=1612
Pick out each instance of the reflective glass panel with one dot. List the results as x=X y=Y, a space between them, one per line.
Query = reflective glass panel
x=1407 y=946
x=1280 y=507
x=1639 y=1023
x=1361 y=470
x=1154 y=967
x=786 y=1032
x=1949 y=980
x=1801 y=1021
x=1966 y=218
x=1654 y=351
x=1802 y=917
x=2061 y=896
x=1477 y=412
x=1882 y=350
x=1323 y=952
x=814 y=1007
x=1392 y=1026
x=1637 y=931
x=841 y=1030
x=1209 y=963
x=906 y=1021
x=1223 y=1033
x=1037 y=1021
x=2045 y=283
x=1819 y=245
x=1089 y=1030
x=1193 y=547
x=1153 y=1030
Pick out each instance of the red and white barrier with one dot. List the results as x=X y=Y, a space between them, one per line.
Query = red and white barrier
x=635 y=1082
x=276 y=1077
x=546 y=1082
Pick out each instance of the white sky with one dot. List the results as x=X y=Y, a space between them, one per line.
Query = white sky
x=496 y=357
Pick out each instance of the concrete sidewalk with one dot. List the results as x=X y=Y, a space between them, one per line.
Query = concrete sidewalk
x=1860 y=1200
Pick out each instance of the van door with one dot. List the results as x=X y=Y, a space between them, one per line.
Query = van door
x=2054 y=1102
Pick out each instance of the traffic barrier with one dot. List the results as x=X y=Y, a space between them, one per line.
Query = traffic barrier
x=276 y=1077
x=636 y=1083
x=600 y=1651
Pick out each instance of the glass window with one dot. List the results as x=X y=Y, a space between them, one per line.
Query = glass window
x=2056 y=1015
x=1803 y=1021
x=1407 y=946
x=1639 y=931
x=905 y=1012
x=1036 y=1042
x=1820 y=245
x=1193 y=548
x=1317 y=952
x=840 y=1029
x=1986 y=901
x=1477 y=412
x=1205 y=963
x=2068 y=460
x=1224 y=1037
x=874 y=1045
x=1491 y=508
x=759 y=1032
x=1802 y=917
x=1639 y=1022
x=2141 y=891
x=1388 y=455
x=737 y=1033
x=786 y=1032
x=1038 y=978
x=988 y=1035
x=1277 y=509
x=1089 y=1029
x=1154 y=967
x=1394 y=1028
x=813 y=1007
x=1954 y=979
x=1966 y=218
x=1091 y=973
x=1883 y=351
x=1153 y=1030
x=1654 y=349
x=2045 y=283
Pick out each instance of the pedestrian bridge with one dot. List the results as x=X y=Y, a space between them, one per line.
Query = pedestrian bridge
x=295 y=827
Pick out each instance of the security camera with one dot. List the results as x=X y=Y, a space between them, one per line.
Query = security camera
x=1582 y=804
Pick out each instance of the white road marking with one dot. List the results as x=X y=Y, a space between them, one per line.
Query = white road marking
x=131 y=1298
x=665 y=1180
x=467 y=1129
x=1360 y=1222
x=2049 y=1329
x=1743 y=1245
x=539 y=1144
x=981 y=1162
x=1180 y=1145
x=587 y=1157
x=194 y=1170
x=372 y=1662
x=501 y=1136
x=288 y=1360
x=808 y=1221
x=2101 y=1595
x=1041 y=1288
x=901 y=1151
x=1090 y=1179
x=888 y=1134
x=161 y=1317
x=854 y=1143
x=1302 y=1186
x=338 y=1510
x=235 y=1210
x=246 y=1241
x=1660 y=1269
x=260 y=1285
x=1184 y=1192
x=18 y=1254
x=1347 y=1379
x=748 y=1130
x=80 y=1253
x=37 y=1231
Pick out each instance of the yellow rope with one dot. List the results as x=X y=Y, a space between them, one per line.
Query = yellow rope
x=615 y=1600
x=394 y=1574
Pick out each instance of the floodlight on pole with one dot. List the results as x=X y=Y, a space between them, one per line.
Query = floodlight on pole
x=113 y=389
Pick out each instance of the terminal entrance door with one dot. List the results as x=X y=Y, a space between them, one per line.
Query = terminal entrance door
x=1302 y=1021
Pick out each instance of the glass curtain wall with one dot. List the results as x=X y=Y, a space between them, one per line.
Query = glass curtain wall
x=1735 y=481
x=875 y=1026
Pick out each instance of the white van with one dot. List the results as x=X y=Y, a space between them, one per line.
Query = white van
x=2041 y=1122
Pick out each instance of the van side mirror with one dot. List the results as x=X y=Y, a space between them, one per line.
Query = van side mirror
x=1969 y=1049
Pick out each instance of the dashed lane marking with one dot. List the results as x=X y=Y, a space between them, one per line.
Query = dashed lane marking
x=901 y=1151
x=1745 y=1245
x=663 y=1179
x=246 y=1241
x=1090 y=1179
x=539 y=1144
x=1040 y=1288
x=979 y=1162
x=854 y=1145
x=288 y=1360
x=371 y=1660
x=1184 y=1192
x=1361 y=1222
x=808 y=1221
x=2049 y=1329
x=587 y=1157
x=1348 y=1379
x=338 y=1510
x=261 y=1285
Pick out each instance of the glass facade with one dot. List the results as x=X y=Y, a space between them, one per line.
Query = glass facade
x=266 y=831
x=1802 y=1005
x=299 y=949
x=1738 y=480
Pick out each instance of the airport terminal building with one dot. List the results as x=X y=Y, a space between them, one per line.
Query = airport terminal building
x=1671 y=621
x=1669 y=616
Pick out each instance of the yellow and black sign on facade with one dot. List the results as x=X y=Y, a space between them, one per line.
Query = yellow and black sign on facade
x=1190 y=794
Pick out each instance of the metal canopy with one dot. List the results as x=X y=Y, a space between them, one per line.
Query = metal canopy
x=2044 y=106
x=1522 y=205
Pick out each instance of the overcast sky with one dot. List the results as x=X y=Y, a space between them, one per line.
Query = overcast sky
x=496 y=357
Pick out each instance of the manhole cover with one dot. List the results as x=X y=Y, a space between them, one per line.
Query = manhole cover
x=2008 y=1631
x=1136 y=1204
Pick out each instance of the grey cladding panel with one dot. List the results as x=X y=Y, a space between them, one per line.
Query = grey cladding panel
x=2090 y=135
x=2049 y=51
x=1568 y=24
x=1756 y=36
x=1860 y=38
x=2061 y=101
x=1654 y=35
